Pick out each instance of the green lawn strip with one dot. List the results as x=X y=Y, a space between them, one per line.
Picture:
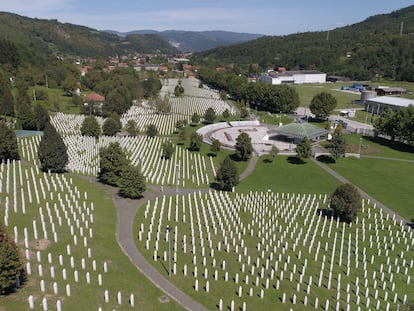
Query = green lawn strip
x=307 y=92
x=282 y=175
x=390 y=182
x=380 y=147
x=324 y=241
x=121 y=276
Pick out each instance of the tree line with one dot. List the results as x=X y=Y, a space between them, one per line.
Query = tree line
x=259 y=95
x=397 y=124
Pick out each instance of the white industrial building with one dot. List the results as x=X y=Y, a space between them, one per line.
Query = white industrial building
x=294 y=77
x=377 y=105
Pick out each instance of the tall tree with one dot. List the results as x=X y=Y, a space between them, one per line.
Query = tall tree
x=195 y=118
x=8 y=143
x=195 y=141
x=244 y=147
x=52 y=151
x=110 y=127
x=167 y=150
x=215 y=145
x=132 y=183
x=152 y=130
x=41 y=117
x=227 y=175
x=90 y=127
x=304 y=149
x=112 y=163
x=346 y=202
x=11 y=267
x=337 y=146
x=6 y=97
x=209 y=115
x=322 y=104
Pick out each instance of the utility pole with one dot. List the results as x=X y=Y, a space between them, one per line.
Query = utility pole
x=401 y=28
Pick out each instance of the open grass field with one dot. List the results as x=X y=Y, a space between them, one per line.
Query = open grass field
x=390 y=182
x=286 y=174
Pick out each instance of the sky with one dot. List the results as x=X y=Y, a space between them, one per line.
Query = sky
x=268 y=17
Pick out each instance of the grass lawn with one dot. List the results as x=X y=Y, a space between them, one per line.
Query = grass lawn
x=390 y=182
x=380 y=147
x=285 y=174
x=307 y=92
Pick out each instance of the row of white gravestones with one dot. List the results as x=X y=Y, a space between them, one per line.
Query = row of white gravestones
x=332 y=256
x=131 y=300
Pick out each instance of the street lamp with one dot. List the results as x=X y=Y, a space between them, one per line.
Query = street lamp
x=169 y=229
x=359 y=148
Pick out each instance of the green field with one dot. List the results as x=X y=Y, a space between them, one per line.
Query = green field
x=285 y=174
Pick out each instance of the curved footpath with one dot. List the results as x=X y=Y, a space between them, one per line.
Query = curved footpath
x=127 y=210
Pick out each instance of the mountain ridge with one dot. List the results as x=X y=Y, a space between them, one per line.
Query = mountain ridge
x=195 y=41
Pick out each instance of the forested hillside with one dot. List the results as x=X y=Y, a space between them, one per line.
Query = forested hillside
x=50 y=37
x=381 y=45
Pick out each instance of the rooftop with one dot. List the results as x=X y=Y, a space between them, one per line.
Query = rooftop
x=394 y=101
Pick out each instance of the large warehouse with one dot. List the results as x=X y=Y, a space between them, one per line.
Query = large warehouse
x=294 y=77
x=377 y=105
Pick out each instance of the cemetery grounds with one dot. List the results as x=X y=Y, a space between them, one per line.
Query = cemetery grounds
x=259 y=248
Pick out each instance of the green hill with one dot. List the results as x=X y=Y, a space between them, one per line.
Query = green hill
x=50 y=37
x=376 y=46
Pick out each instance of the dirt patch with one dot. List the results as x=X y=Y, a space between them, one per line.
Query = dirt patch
x=40 y=245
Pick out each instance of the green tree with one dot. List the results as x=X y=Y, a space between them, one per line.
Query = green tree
x=346 y=202
x=386 y=124
x=41 y=117
x=215 y=145
x=11 y=267
x=226 y=113
x=322 y=104
x=178 y=90
x=304 y=149
x=163 y=105
x=113 y=162
x=244 y=147
x=209 y=115
x=9 y=148
x=195 y=141
x=132 y=183
x=90 y=127
x=167 y=150
x=274 y=151
x=6 y=97
x=52 y=151
x=337 y=146
x=244 y=113
x=110 y=127
x=182 y=136
x=195 y=118
x=227 y=175
x=131 y=128
x=152 y=130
